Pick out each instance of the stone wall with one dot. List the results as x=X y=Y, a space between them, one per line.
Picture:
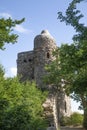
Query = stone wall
x=25 y=65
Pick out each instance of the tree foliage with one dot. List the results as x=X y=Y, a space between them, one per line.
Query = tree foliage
x=74 y=57
x=20 y=105
x=72 y=17
x=69 y=70
x=6 y=31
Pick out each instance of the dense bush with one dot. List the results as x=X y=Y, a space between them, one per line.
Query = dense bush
x=75 y=119
x=20 y=105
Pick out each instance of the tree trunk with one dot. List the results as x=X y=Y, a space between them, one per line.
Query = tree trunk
x=85 y=119
x=84 y=103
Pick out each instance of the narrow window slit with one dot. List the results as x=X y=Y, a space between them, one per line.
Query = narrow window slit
x=48 y=55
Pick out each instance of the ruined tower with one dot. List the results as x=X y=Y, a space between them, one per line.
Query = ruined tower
x=44 y=44
x=31 y=66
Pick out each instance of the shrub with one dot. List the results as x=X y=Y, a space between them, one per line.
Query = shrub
x=64 y=121
x=75 y=119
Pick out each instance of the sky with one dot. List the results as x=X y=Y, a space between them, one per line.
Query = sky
x=39 y=15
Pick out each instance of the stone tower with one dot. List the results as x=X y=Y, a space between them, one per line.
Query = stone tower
x=44 y=44
x=31 y=66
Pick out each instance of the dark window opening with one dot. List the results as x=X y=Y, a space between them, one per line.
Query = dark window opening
x=32 y=77
x=48 y=55
x=51 y=125
x=30 y=60
x=65 y=107
x=25 y=60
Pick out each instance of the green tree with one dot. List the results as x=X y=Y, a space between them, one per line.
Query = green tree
x=6 y=31
x=70 y=66
x=20 y=105
x=74 y=57
x=72 y=18
x=75 y=119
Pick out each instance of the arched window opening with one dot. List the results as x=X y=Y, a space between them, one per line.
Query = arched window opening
x=48 y=55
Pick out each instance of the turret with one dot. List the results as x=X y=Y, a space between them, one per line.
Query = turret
x=44 y=45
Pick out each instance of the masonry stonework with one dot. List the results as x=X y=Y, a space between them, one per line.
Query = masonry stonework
x=31 y=66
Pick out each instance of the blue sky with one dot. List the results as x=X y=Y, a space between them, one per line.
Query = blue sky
x=39 y=15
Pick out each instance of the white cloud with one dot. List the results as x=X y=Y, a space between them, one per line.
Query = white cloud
x=13 y=71
x=5 y=15
x=21 y=29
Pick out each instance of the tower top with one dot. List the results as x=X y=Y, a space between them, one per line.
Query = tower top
x=45 y=32
x=43 y=40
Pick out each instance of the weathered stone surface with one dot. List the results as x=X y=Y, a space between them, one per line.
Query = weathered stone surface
x=31 y=66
